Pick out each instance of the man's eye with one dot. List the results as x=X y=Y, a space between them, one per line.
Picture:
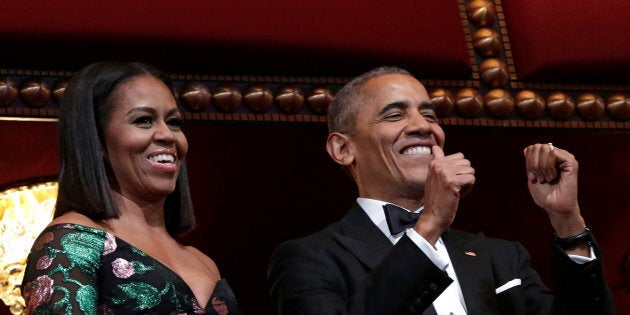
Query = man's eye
x=393 y=116
x=430 y=116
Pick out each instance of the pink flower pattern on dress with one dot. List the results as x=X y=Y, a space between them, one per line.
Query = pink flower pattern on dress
x=43 y=239
x=197 y=307
x=110 y=244
x=219 y=306
x=44 y=262
x=122 y=268
x=38 y=292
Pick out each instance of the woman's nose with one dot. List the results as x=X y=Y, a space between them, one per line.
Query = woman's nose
x=163 y=133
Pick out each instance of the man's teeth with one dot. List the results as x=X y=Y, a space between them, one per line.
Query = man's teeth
x=162 y=158
x=417 y=151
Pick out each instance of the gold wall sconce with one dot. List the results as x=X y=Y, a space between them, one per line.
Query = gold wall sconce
x=25 y=210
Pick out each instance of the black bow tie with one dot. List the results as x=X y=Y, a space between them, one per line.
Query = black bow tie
x=398 y=219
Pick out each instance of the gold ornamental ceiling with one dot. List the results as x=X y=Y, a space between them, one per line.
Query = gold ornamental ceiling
x=491 y=96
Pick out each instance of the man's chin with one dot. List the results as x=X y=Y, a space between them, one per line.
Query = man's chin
x=415 y=187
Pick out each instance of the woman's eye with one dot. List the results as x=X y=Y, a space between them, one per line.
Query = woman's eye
x=143 y=121
x=175 y=122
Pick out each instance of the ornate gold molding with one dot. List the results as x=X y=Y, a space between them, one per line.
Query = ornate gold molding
x=506 y=101
x=492 y=96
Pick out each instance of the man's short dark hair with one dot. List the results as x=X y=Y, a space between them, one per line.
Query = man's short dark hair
x=342 y=113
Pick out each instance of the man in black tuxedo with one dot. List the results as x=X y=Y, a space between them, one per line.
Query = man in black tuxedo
x=382 y=259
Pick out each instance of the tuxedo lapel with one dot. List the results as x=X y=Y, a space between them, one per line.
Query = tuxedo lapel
x=473 y=269
x=362 y=238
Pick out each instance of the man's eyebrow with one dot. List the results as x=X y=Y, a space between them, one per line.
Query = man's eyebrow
x=390 y=106
x=427 y=105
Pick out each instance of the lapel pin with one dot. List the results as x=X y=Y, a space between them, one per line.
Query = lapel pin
x=471 y=254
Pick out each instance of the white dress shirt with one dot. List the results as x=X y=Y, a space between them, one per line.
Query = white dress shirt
x=451 y=301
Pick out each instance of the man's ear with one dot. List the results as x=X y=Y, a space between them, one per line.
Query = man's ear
x=339 y=148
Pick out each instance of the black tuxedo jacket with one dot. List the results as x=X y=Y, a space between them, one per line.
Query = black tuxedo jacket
x=352 y=268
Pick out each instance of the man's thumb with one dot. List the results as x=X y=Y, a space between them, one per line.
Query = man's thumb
x=437 y=152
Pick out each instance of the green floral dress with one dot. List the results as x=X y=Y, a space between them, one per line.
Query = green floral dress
x=77 y=269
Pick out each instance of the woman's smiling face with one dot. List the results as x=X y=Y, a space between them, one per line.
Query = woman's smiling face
x=144 y=144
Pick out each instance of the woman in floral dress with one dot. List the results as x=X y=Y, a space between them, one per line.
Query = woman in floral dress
x=123 y=199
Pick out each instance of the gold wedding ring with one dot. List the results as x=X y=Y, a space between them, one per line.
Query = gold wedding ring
x=550 y=147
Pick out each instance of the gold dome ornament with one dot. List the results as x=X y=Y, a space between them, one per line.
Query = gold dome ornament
x=35 y=92
x=469 y=103
x=196 y=96
x=590 y=106
x=8 y=92
x=486 y=42
x=59 y=89
x=560 y=106
x=289 y=99
x=319 y=99
x=258 y=98
x=443 y=101
x=481 y=13
x=226 y=98
x=529 y=104
x=618 y=107
x=499 y=103
x=494 y=73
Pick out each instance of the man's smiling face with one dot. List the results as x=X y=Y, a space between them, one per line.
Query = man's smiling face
x=396 y=126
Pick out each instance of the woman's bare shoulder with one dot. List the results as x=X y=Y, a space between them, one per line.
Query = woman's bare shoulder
x=75 y=218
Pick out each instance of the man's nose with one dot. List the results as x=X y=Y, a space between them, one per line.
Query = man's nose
x=418 y=123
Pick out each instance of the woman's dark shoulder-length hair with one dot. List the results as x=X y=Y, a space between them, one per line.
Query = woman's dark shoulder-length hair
x=84 y=112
